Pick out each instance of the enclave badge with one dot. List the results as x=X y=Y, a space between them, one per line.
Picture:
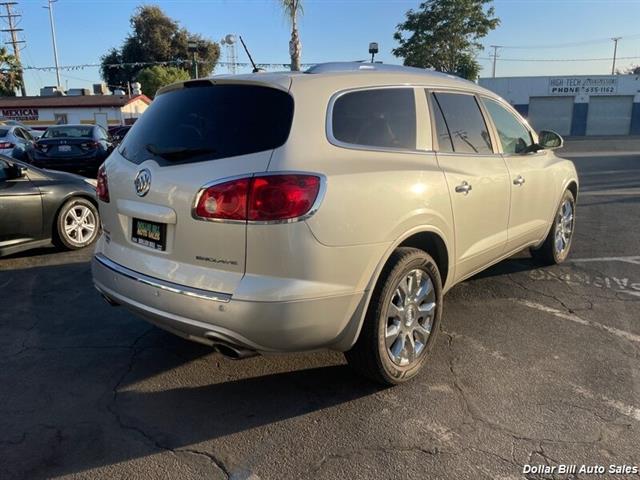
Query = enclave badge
x=142 y=182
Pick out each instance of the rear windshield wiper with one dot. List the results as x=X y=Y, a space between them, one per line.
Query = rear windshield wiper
x=178 y=153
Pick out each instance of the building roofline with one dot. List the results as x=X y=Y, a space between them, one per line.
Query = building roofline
x=115 y=101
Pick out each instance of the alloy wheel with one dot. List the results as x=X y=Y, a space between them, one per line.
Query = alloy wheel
x=79 y=224
x=564 y=226
x=409 y=318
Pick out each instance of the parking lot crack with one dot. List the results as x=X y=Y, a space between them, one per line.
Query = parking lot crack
x=149 y=437
x=215 y=461
x=348 y=454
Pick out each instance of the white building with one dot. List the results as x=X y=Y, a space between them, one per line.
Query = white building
x=575 y=105
x=105 y=110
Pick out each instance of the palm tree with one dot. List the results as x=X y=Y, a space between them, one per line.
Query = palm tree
x=292 y=8
x=10 y=75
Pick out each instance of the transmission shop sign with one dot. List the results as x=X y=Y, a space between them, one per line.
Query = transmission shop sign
x=583 y=85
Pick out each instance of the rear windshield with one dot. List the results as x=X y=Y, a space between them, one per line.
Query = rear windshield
x=3 y=132
x=68 y=132
x=206 y=122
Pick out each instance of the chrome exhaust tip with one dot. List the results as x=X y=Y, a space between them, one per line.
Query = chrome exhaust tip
x=109 y=300
x=228 y=349
x=233 y=353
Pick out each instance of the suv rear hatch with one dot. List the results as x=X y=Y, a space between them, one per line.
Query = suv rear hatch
x=192 y=135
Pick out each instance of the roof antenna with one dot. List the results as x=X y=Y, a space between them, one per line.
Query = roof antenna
x=255 y=69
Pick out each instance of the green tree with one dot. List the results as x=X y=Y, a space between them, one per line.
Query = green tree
x=153 y=78
x=632 y=70
x=445 y=34
x=293 y=8
x=10 y=75
x=156 y=38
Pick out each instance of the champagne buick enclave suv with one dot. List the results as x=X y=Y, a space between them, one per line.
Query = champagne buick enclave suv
x=327 y=209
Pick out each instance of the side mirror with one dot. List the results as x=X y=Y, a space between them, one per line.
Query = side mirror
x=550 y=140
x=17 y=171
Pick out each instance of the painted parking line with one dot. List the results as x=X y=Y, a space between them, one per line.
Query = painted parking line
x=629 y=259
x=615 y=284
x=576 y=319
x=627 y=192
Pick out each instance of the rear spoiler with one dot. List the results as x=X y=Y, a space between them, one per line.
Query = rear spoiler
x=281 y=82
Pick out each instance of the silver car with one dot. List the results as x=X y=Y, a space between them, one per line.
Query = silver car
x=283 y=212
x=15 y=141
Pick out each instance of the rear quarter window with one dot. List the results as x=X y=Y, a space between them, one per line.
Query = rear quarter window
x=203 y=122
x=382 y=117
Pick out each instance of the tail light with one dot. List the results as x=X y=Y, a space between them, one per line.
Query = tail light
x=102 y=185
x=6 y=145
x=89 y=145
x=265 y=198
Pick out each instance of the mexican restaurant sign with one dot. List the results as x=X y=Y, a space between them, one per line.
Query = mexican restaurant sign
x=21 y=114
x=583 y=85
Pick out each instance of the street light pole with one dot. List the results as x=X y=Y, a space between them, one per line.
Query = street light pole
x=615 y=52
x=53 y=39
x=192 y=46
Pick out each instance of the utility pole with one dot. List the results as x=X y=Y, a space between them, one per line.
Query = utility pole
x=53 y=38
x=13 y=31
x=615 y=52
x=495 y=58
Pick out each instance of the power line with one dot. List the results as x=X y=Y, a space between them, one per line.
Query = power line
x=13 y=31
x=148 y=64
x=567 y=45
x=608 y=59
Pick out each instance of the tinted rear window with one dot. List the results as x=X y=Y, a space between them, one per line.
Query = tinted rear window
x=3 y=132
x=207 y=122
x=68 y=132
x=384 y=117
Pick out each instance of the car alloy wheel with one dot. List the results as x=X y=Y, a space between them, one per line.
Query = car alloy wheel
x=79 y=224
x=410 y=317
x=564 y=226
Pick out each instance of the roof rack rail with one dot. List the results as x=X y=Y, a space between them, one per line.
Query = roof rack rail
x=361 y=66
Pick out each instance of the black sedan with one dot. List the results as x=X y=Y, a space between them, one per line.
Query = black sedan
x=72 y=148
x=38 y=207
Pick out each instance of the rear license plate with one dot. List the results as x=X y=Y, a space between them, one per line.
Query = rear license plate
x=149 y=234
x=64 y=148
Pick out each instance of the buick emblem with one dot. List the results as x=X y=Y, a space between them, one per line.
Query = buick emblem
x=142 y=182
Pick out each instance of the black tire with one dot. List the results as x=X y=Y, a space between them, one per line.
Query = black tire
x=549 y=253
x=65 y=239
x=370 y=356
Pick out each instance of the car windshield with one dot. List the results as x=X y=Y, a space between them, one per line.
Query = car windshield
x=3 y=132
x=205 y=122
x=69 y=132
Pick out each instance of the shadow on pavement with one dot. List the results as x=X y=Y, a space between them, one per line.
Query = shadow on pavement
x=86 y=385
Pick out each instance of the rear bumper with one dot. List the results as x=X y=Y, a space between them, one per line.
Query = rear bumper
x=85 y=162
x=205 y=316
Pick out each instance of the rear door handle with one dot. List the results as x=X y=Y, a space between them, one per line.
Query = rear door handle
x=464 y=187
x=519 y=180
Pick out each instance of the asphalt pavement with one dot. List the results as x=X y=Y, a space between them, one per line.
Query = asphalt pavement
x=533 y=366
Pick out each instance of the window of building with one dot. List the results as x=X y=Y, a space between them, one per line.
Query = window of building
x=514 y=136
x=383 y=117
x=466 y=125
x=60 y=118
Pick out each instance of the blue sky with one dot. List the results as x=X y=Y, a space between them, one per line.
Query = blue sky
x=335 y=30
